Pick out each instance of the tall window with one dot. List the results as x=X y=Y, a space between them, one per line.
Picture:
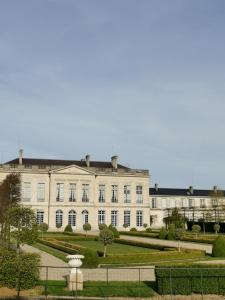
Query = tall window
x=202 y=203
x=101 y=197
x=101 y=217
x=72 y=192
x=85 y=215
x=126 y=219
x=26 y=191
x=127 y=194
x=139 y=218
x=114 y=193
x=114 y=218
x=85 y=192
x=139 y=193
x=154 y=204
x=40 y=216
x=59 y=218
x=72 y=218
x=59 y=192
x=41 y=192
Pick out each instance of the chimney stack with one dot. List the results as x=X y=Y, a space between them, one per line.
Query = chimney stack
x=215 y=188
x=21 y=156
x=87 y=159
x=191 y=189
x=156 y=186
x=114 y=161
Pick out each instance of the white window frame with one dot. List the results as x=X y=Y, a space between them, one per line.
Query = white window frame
x=59 y=217
x=127 y=193
x=59 y=192
x=26 y=191
x=126 y=217
x=85 y=215
x=114 y=198
x=72 y=218
x=101 y=195
x=114 y=218
x=101 y=217
x=40 y=216
x=85 y=192
x=72 y=192
x=139 y=193
x=139 y=218
x=41 y=192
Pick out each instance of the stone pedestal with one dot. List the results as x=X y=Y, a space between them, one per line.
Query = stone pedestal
x=75 y=281
x=75 y=278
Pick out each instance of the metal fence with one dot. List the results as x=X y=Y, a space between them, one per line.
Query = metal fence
x=136 y=283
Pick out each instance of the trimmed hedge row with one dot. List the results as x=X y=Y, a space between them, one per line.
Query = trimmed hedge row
x=198 y=240
x=185 y=281
x=140 y=233
x=142 y=244
x=91 y=256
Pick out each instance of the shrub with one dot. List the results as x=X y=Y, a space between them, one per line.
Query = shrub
x=87 y=227
x=145 y=225
x=58 y=225
x=216 y=228
x=125 y=225
x=196 y=229
x=68 y=228
x=102 y=226
x=133 y=229
x=171 y=232
x=140 y=244
x=163 y=233
x=106 y=237
x=219 y=247
x=148 y=229
x=115 y=232
x=43 y=227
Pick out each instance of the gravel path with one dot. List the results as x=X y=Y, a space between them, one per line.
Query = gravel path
x=187 y=245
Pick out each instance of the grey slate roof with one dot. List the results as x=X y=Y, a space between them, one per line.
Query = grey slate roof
x=59 y=162
x=178 y=192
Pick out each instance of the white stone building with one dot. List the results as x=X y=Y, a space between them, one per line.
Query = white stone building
x=194 y=204
x=76 y=192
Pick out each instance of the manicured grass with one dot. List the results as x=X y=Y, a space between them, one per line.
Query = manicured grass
x=114 y=248
x=57 y=253
x=101 y=289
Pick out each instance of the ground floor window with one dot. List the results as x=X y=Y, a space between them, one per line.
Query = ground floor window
x=114 y=218
x=85 y=215
x=139 y=218
x=101 y=217
x=59 y=218
x=40 y=216
x=126 y=219
x=72 y=218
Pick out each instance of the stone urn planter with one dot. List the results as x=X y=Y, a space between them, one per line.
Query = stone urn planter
x=75 y=278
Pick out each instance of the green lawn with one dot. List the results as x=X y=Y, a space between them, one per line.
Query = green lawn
x=101 y=289
x=57 y=253
x=114 y=248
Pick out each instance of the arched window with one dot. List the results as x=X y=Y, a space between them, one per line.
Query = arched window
x=72 y=218
x=85 y=215
x=59 y=218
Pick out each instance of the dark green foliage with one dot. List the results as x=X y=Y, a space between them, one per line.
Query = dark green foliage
x=185 y=281
x=43 y=227
x=175 y=218
x=58 y=225
x=19 y=271
x=196 y=229
x=163 y=233
x=140 y=244
x=102 y=226
x=133 y=229
x=219 y=247
x=68 y=228
x=87 y=227
x=216 y=228
x=140 y=233
x=148 y=229
x=115 y=232
x=171 y=232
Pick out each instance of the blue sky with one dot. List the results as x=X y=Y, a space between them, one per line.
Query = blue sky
x=140 y=79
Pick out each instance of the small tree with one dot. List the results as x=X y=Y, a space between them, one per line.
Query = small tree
x=106 y=237
x=125 y=225
x=216 y=228
x=163 y=233
x=86 y=227
x=23 y=225
x=114 y=230
x=102 y=226
x=196 y=229
x=179 y=233
x=43 y=227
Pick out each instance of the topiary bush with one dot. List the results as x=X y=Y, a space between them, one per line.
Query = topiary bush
x=102 y=226
x=68 y=228
x=219 y=247
x=171 y=232
x=133 y=229
x=163 y=233
x=148 y=229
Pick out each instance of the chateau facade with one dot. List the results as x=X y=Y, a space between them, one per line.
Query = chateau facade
x=77 y=192
x=83 y=191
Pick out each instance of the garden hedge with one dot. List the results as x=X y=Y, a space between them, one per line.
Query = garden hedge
x=140 y=233
x=142 y=244
x=219 y=247
x=185 y=281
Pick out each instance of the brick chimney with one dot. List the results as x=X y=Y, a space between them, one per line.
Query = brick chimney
x=114 y=161
x=21 y=156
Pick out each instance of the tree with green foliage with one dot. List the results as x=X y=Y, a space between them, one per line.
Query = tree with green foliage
x=179 y=233
x=102 y=226
x=23 y=225
x=106 y=237
x=86 y=227
x=196 y=229
x=10 y=195
x=114 y=230
x=171 y=232
x=216 y=228
x=163 y=233
x=43 y=228
x=175 y=218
